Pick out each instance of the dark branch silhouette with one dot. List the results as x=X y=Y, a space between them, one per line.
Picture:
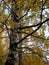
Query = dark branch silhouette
x=34 y=2
x=16 y=18
x=19 y=32
x=24 y=27
x=15 y=44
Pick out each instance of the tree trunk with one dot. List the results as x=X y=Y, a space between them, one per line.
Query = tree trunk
x=20 y=53
x=20 y=59
x=11 y=60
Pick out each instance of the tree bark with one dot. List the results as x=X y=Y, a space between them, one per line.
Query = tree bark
x=11 y=60
x=20 y=59
x=20 y=52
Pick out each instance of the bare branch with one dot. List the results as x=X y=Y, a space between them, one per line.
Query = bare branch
x=21 y=28
x=19 y=32
x=44 y=2
x=24 y=15
x=15 y=44
x=34 y=2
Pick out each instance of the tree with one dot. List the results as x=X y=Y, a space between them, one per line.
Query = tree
x=24 y=23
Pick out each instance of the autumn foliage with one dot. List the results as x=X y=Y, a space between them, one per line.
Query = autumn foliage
x=24 y=31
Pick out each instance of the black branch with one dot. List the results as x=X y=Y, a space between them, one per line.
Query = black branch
x=15 y=44
x=24 y=27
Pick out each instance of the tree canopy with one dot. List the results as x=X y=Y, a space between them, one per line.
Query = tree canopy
x=24 y=30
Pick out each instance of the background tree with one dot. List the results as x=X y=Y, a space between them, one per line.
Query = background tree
x=24 y=27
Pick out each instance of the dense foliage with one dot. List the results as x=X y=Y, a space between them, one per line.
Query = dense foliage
x=24 y=30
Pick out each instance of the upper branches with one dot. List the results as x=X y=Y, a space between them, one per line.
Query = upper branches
x=40 y=24
x=24 y=27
